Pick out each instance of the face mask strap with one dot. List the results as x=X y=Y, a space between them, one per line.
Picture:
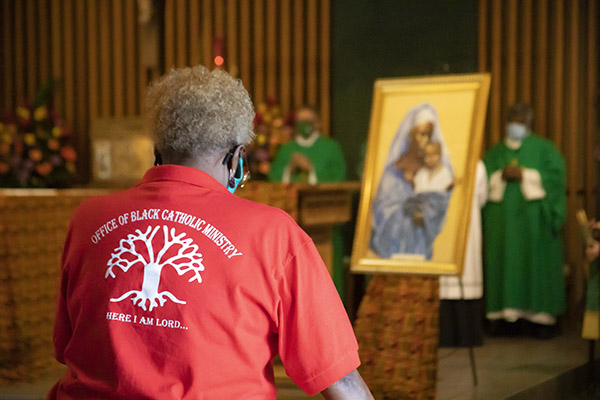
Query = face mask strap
x=237 y=177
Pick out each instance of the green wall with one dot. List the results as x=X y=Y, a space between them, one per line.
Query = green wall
x=392 y=38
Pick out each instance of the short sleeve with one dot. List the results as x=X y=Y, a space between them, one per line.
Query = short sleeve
x=316 y=341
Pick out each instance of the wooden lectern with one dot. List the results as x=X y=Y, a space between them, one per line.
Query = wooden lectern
x=316 y=208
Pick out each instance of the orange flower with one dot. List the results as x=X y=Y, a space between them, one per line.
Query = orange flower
x=53 y=144
x=35 y=155
x=68 y=153
x=264 y=167
x=4 y=168
x=44 y=168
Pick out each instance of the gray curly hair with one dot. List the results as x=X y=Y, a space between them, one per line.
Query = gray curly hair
x=195 y=112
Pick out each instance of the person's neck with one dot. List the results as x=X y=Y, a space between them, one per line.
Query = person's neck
x=211 y=165
x=513 y=144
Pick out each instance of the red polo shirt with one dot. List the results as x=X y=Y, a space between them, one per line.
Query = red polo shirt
x=177 y=289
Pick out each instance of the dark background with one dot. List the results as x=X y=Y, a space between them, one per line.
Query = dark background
x=387 y=39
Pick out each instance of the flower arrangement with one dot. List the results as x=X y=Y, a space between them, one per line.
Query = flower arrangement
x=272 y=131
x=34 y=147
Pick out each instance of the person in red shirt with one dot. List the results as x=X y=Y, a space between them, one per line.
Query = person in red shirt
x=178 y=289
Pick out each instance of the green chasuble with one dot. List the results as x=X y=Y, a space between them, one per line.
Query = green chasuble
x=325 y=154
x=327 y=158
x=523 y=243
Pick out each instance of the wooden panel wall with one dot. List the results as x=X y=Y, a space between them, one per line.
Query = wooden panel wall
x=545 y=52
x=103 y=57
x=90 y=47
x=279 y=48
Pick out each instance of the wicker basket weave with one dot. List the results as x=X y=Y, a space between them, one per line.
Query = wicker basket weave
x=397 y=328
x=33 y=226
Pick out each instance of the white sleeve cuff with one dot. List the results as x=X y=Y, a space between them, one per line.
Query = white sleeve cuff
x=497 y=187
x=531 y=185
x=287 y=174
x=312 y=177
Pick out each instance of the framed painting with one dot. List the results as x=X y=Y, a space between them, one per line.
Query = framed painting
x=425 y=139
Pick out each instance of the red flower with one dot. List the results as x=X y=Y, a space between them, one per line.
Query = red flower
x=68 y=153
x=44 y=169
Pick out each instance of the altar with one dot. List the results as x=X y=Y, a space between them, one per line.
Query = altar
x=33 y=226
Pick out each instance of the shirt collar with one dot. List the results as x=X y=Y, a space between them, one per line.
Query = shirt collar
x=309 y=141
x=180 y=173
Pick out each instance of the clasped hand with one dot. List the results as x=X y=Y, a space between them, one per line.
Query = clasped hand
x=300 y=162
x=512 y=173
x=593 y=248
x=418 y=217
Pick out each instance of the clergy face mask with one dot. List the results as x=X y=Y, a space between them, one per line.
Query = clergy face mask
x=516 y=131
x=304 y=128
x=305 y=122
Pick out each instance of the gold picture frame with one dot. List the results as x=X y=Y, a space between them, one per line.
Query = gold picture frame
x=425 y=140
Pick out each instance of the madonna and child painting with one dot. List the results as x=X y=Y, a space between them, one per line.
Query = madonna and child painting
x=412 y=198
x=423 y=146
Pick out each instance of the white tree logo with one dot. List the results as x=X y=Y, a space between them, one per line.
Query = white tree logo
x=186 y=259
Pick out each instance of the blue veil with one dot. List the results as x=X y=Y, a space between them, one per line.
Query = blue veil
x=393 y=230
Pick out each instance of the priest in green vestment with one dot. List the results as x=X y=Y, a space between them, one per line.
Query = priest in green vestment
x=310 y=157
x=313 y=159
x=522 y=224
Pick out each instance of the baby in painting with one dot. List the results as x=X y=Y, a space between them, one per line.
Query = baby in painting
x=433 y=176
x=414 y=191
